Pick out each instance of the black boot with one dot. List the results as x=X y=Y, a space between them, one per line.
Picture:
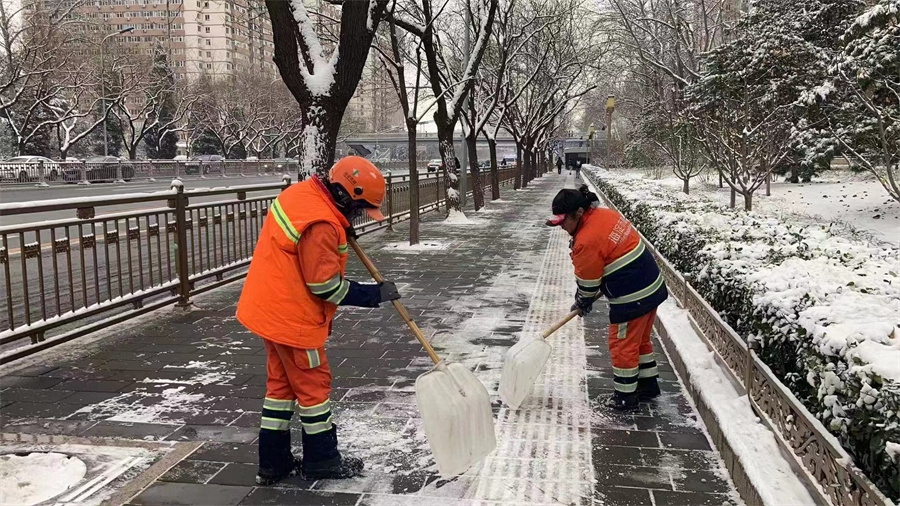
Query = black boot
x=623 y=402
x=275 y=459
x=322 y=460
x=648 y=388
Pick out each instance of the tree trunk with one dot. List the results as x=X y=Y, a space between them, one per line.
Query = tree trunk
x=748 y=201
x=475 y=172
x=687 y=186
x=448 y=157
x=526 y=167
x=795 y=173
x=519 y=172
x=319 y=137
x=720 y=179
x=733 y=201
x=495 y=171
x=413 y=185
x=132 y=152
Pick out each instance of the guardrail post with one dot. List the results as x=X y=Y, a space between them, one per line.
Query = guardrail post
x=286 y=179
x=390 y=203
x=150 y=171
x=119 y=178
x=42 y=182
x=177 y=170
x=181 y=250
x=84 y=179
x=258 y=173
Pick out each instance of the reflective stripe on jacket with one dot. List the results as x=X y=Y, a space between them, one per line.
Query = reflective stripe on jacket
x=610 y=258
x=277 y=302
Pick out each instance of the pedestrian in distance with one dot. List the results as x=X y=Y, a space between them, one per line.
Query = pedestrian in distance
x=559 y=165
x=293 y=288
x=577 y=169
x=610 y=259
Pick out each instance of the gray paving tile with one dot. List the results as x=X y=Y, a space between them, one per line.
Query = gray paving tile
x=193 y=471
x=663 y=498
x=127 y=430
x=281 y=496
x=621 y=496
x=191 y=494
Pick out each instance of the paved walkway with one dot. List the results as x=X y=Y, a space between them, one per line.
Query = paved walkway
x=200 y=377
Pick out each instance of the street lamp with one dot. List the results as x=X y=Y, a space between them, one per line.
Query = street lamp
x=610 y=107
x=103 y=83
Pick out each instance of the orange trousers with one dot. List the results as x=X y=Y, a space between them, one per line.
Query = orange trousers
x=632 y=352
x=301 y=375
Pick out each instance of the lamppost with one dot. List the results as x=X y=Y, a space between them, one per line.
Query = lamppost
x=103 y=84
x=590 y=142
x=610 y=107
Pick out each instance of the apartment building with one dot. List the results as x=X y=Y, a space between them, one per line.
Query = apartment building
x=213 y=37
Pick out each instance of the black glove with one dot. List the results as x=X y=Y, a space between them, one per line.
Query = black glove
x=351 y=232
x=388 y=291
x=584 y=304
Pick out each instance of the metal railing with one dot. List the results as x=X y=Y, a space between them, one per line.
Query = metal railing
x=124 y=170
x=826 y=464
x=64 y=278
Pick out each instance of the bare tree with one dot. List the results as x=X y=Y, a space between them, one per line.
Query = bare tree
x=31 y=35
x=153 y=91
x=422 y=20
x=395 y=57
x=322 y=82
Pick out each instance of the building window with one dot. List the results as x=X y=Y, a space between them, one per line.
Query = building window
x=209 y=54
x=208 y=42
x=206 y=17
x=206 y=29
x=230 y=66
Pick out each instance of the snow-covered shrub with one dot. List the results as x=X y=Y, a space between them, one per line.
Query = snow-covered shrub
x=823 y=311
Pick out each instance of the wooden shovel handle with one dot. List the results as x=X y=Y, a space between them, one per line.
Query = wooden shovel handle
x=556 y=326
x=397 y=305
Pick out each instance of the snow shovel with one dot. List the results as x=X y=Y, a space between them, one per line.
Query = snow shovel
x=524 y=362
x=455 y=406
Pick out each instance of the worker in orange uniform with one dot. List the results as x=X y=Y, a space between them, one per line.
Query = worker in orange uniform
x=293 y=288
x=610 y=259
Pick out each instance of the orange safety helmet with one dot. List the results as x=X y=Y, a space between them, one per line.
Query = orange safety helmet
x=362 y=181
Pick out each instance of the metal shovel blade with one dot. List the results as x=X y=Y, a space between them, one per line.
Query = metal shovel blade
x=456 y=411
x=524 y=362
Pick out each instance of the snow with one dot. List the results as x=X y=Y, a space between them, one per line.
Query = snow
x=37 y=477
x=893 y=449
x=845 y=199
x=457 y=217
x=320 y=81
x=402 y=247
x=753 y=443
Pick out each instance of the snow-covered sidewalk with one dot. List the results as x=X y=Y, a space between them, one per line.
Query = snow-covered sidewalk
x=477 y=288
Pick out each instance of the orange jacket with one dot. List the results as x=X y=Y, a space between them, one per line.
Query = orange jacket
x=279 y=300
x=609 y=257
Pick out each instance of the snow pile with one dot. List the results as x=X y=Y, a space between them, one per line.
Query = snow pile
x=457 y=217
x=823 y=310
x=37 y=477
x=751 y=441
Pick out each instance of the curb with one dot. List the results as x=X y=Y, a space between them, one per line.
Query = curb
x=736 y=468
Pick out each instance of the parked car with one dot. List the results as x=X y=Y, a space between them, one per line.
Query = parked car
x=200 y=164
x=27 y=168
x=435 y=165
x=99 y=169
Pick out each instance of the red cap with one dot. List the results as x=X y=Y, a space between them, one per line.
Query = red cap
x=556 y=220
x=375 y=213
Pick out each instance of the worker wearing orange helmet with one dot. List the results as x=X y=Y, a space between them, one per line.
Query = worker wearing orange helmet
x=293 y=288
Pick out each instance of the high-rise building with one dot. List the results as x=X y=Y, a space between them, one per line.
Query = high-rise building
x=212 y=37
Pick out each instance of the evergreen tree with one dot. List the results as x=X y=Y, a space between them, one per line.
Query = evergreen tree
x=207 y=144
x=164 y=79
x=858 y=101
